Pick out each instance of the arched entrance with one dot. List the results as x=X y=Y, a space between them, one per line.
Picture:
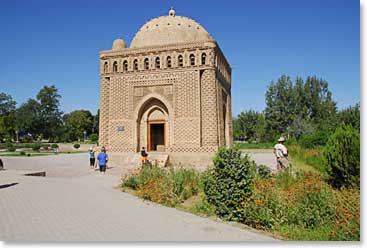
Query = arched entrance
x=153 y=125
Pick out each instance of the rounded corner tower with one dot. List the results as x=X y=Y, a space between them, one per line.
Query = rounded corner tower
x=170 y=91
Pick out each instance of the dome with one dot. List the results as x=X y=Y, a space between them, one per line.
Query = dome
x=167 y=30
x=118 y=44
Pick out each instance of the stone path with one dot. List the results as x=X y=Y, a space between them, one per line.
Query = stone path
x=74 y=203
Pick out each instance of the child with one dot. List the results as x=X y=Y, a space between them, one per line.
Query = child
x=144 y=156
x=92 y=158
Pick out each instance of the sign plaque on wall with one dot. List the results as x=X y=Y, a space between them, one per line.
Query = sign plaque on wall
x=120 y=128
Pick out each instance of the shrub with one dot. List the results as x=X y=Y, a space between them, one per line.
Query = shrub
x=155 y=185
x=54 y=146
x=304 y=201
x=229 y=183
x=314 y=139
x=186 y=183
x=11 y=148
x=162 y=186
x=342 y=156
x=28 y=145
x=36 y=147
x=45 y=147
x=93 y=137
x=263 y=171
x=203 y=208
x=22 y=153
x=76 y=146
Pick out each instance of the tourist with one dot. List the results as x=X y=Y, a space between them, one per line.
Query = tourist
x=281 y=154
x=102 y=160
x=144 y=156
x=92 y=158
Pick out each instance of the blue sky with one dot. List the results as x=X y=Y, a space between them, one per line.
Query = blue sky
x=58 y=42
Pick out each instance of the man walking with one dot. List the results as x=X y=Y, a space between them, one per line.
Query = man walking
x=102 y=160
x=281 y=152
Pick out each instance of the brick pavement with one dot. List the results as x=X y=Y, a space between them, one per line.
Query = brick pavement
x=86 y=207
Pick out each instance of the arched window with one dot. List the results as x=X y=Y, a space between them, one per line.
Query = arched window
x=169 y=62
x=105 y=67
x=125 y=65
x=192 y=59
x=146 y=63
x=136 y=66
x=180 y=60
x=203 y=58
x=114 y=67
x=157 y=63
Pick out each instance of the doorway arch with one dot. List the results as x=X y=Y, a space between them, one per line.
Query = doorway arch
x=153 y=123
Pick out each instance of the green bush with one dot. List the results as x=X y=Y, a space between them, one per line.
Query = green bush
x=342 y=156
x=76 y=146
x=313 y=140
x=203 y=208
x=22 y=153
x=303 y=207
x=186 y=183
x=93 y=137
x=36 y=147
x=54 y=146
x=162 y=186
x=45 y=147
x=11 y=148
x=263 y=171
x=28 y=145
x=156 y=185
x=229 y=183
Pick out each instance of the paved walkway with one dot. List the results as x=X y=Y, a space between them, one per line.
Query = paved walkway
x=77 y=204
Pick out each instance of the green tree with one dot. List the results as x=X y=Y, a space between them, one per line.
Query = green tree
x=350 y=115
x=300 y=108
x=342 y=156
x=280 y=108
x=249 y=125
x=28 y=117
x=229 y=183
x=50 y=114
x=321 y=108
x=77 y=122
x=7 y=114
x=237 y=132
x=96 y=123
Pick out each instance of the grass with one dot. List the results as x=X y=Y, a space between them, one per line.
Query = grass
x=308 y=158
x=31 y=154
x=297 y=206
x=35 y=154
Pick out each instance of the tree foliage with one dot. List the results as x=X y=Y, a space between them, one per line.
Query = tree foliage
x=77 y=122
x=249 y=125
x=300 y=108
x=229 y=183
x=7 y=114
x=350 y=115
x=49 y=111
x=28 y=117
x=342 y=156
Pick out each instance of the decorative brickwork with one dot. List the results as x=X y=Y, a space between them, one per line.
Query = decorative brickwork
x=188 y=102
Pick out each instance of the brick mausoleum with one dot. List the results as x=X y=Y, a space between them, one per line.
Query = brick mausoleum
x=170 y=91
